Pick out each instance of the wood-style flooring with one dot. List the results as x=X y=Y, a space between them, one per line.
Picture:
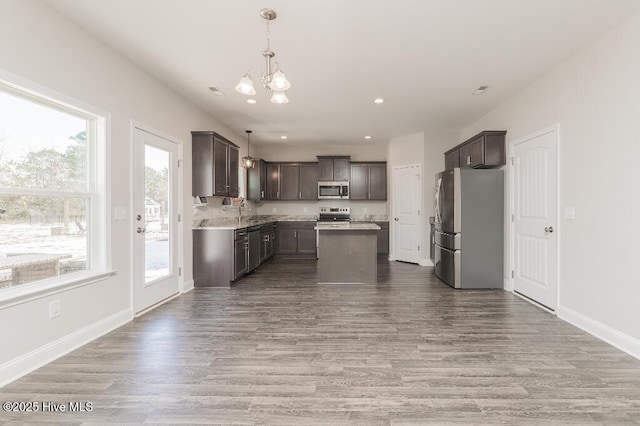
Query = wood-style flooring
x=280 y=349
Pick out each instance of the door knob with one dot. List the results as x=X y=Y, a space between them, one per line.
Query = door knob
x=548 y=229
x=396 y=219
x=140 y=230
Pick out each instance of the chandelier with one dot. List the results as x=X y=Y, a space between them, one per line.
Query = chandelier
x=248 y=162
x=273 y=79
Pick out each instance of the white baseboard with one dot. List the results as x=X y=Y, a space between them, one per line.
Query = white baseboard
x=188 y=286
x=602 y=331
x=24 y=364
x=506 y=284
x=425 y=262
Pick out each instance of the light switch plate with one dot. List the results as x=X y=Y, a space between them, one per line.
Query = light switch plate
x=570 y=213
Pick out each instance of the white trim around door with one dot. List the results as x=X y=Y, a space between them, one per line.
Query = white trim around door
x=179 y=238
x=407 y=237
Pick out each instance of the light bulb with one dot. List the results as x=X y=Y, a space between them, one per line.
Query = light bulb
x=279 y=81
x=279 y=97
x=246 y=86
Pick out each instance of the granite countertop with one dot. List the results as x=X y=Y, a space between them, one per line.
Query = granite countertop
x=256 y=220
x=369 y=218
x=362 y=226
x=232 y=222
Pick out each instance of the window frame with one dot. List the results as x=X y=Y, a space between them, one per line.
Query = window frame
x=98 y=191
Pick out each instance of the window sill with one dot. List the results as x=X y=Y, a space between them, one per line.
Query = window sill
x=27 y=292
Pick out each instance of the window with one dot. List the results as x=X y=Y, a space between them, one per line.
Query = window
x=52 y=189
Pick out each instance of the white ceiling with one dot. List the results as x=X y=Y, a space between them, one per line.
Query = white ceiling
x=424 y=57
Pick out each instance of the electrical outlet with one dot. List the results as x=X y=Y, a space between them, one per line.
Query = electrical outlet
x=54 y=308
x=305 y=209
x=275 y=210
x=365 y=210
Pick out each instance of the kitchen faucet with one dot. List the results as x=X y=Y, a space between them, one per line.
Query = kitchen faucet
x=242 y=204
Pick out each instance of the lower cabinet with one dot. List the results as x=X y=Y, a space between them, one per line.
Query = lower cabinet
x=267 y=241
x=296 y=239
x=383 y=237
x=223 y=256
x=241 y=257
x=254 y=248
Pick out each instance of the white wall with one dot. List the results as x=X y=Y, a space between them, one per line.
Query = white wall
x=39 y=45
x=595 y=98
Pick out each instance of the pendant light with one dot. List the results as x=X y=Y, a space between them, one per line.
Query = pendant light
x=248 y=162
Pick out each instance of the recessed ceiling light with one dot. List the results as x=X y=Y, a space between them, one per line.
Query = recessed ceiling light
x=480 y=90
x=283 y=137
x=216 y=91
x=367 y=137
x=251 y=101
x=378 y=101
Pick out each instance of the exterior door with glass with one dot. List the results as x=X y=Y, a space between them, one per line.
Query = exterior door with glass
x=155 y=219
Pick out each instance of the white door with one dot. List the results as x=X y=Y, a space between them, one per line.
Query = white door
x=535 y=228
x=155 y=219
x=407 y=199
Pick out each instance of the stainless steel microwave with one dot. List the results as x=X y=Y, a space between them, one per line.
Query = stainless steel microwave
x=333 y=190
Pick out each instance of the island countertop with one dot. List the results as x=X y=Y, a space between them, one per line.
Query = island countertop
x=347 y=227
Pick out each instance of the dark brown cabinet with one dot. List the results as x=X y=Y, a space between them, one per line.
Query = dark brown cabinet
x=296 y=239
x=257 y=182
x=215 y=162
x=383 y=237
x=308 y=181
x=273 y=181
x=241 y=254
x=289 y=181
x=452 y=159
x=292 y=181
x=268 y=240
x=484 y=150
x=333 y=168
x=368 y=181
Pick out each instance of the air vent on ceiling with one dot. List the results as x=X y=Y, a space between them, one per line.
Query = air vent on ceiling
x=480 y=90
x=216 y=91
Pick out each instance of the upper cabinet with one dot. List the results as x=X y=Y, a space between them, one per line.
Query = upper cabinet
x=215 y=162
x=484 y=150
x=333 y=168
x=257 y=181
x=368 y=181
x=291 y=181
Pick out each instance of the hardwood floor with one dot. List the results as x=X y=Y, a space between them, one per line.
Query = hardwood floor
x=280 y=349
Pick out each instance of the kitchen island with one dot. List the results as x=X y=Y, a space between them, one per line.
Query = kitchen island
x=347 y=253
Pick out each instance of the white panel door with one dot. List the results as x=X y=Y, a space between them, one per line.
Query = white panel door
x=155 y=221
x=535 y=227
x=407 y=199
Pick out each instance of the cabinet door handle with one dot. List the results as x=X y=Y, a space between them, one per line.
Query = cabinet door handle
x=300 y=194
x=468 y=159
x=277 y=194
x=261 y=194
x=295 y=234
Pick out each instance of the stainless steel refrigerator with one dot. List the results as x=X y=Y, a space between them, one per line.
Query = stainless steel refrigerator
x=469 y=228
